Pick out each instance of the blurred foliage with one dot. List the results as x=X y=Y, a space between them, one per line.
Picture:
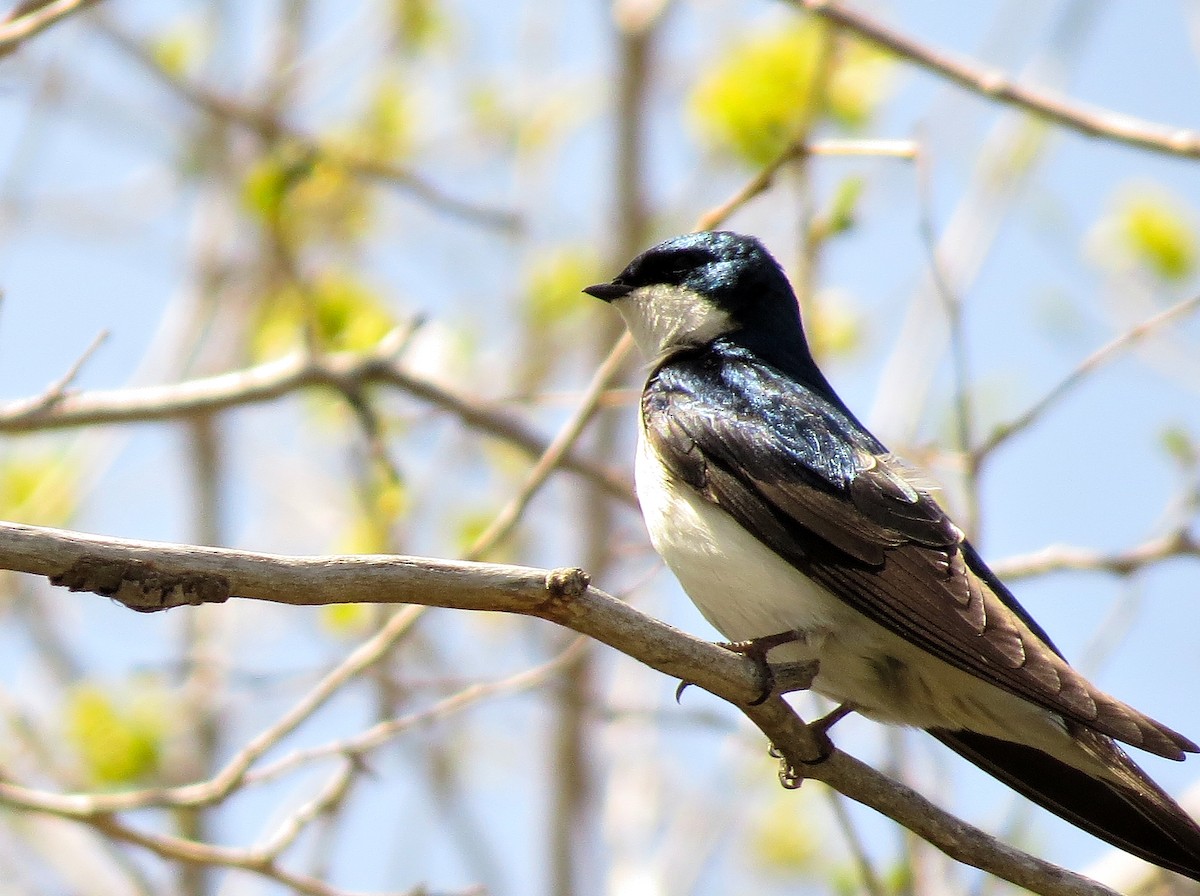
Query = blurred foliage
x=385 y=504
x=1148 y=228
x=179 y=49
x=1180 y=445
x=780 y=840
x=833 y=324
x=38 y=488
x=1159 y=234
x=418 y=24
x=118 y=742
x=306 y=198
x=338 y=311
x=385 y=130
x=555 y=278
x=347 y=620
x=846 y=880
x=841 y=215
x=552 y=302
x=1016 y=156
x=757 y=98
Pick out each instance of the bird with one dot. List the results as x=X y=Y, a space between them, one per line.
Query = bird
x=789 y=524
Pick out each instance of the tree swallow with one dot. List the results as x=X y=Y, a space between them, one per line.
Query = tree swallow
x=779 y=512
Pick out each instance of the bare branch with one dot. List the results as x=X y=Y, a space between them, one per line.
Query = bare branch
x=381 y=732
x=29 y=19
x=995 y=85
x=57 y=390
x=1059 y=558
x=331 y=795
x=1087 y=366
x=176 y=848
x=762 y=181
x=348 y=373
x=271 y=128
x=147 y=575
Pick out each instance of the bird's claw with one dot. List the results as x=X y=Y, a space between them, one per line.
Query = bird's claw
x=789 y=776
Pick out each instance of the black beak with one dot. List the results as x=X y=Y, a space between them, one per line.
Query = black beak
x=608 y=292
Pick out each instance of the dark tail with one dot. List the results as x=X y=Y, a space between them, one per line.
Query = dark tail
x=1144 y=821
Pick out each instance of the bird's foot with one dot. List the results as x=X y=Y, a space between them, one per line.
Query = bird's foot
x=781 y=678
x=789 y=776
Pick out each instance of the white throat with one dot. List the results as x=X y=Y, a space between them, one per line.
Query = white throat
x=664 y=318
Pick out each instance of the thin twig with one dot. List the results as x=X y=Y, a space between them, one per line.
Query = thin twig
x=952 y=305
x=336 y=789
x=20 y=26
x=180 y=850
x=1060 y=558
x=381 y=732
x=270 y=127
x=568 y=435
x=1086 y=367
x=867 y=874
x=995 y=85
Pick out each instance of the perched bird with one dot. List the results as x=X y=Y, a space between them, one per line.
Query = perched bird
x=780 y=513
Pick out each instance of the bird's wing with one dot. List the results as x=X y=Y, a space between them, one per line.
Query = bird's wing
x=803 y=477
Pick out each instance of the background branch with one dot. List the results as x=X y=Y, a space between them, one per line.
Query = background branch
x=30 y=18
x=348 y=373
x=995 y=85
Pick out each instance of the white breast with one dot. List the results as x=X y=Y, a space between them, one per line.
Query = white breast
x=740 y=585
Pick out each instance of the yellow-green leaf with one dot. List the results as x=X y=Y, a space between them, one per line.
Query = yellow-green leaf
x=342 y=312
x=418 y=23
x=780 y=840
x=833 y=324
x=385 y=130
x=1158 y=232
x=180 y=48
x=117 y=744
x=757 y=98
x=840 y=216
x=346 y=620
x=39 y=489
x=1181 y=446
x=554 y=283
x=307 y=197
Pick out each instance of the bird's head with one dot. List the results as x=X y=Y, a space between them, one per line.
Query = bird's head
x=695 y=288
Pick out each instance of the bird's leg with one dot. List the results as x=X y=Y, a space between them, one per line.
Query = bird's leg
x=782 y=678
x=820 y=730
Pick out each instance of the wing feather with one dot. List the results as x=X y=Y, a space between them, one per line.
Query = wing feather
x=797 y=471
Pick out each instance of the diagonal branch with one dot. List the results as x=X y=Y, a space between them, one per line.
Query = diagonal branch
x=1085 y=368
x=993 y=84
x=21 y=25
x=149 y=575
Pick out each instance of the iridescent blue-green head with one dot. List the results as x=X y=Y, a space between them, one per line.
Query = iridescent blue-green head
x=693 y=289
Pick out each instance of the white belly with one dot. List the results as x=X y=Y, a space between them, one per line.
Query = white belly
x=746 y=590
